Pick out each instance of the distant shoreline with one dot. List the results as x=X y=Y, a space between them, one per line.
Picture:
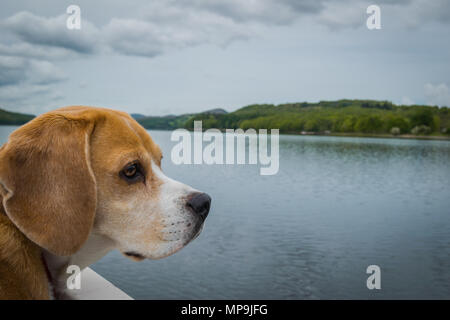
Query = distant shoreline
x=382 y=136
x=341 y=118
x=351 y=135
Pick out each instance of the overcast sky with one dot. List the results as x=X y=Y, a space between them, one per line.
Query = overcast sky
x=172 y=57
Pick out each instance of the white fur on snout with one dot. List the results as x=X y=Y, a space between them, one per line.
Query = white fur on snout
x=177 y=220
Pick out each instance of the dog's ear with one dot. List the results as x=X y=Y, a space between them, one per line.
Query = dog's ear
x=47 y=184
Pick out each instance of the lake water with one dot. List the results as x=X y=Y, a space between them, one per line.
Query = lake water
x=336 y=206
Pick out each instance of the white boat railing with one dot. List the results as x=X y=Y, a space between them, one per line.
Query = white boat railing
x=95 y=287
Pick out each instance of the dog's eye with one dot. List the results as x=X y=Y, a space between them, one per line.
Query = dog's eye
x=132 y=173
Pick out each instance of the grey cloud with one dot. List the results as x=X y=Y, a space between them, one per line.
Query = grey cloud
x=332 y=13
x=52 y=32
x=165 y=25
x=34 y=51
x=167 y=28
x=264 y=11
x=22 y=92
x=15 y=70
x=423 y=11
x=134 y=37
x=27 y=83
x=11 y=70
x=29 y=98
x=44 y=72
x=161 y=26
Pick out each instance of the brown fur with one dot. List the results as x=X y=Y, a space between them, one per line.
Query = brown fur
x=50 y=193
x=50 y=171
x=22 y=273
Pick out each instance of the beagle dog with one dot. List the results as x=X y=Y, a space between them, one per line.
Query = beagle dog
x=78 y=182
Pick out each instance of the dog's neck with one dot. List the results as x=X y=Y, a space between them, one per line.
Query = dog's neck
x=22 y=274
x=93 y=250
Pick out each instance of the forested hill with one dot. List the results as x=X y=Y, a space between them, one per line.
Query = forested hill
x=342 y=116
x=172 y=122
x=14 y=118
x=329 y=117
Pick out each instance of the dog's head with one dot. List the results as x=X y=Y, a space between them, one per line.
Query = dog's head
x=78 y=170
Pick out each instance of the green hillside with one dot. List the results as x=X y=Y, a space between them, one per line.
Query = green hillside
x=334 y=117
x=14 y=118
x=352 y=117
x=171 y=122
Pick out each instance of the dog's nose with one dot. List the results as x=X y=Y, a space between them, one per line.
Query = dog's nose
x=200 y=204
